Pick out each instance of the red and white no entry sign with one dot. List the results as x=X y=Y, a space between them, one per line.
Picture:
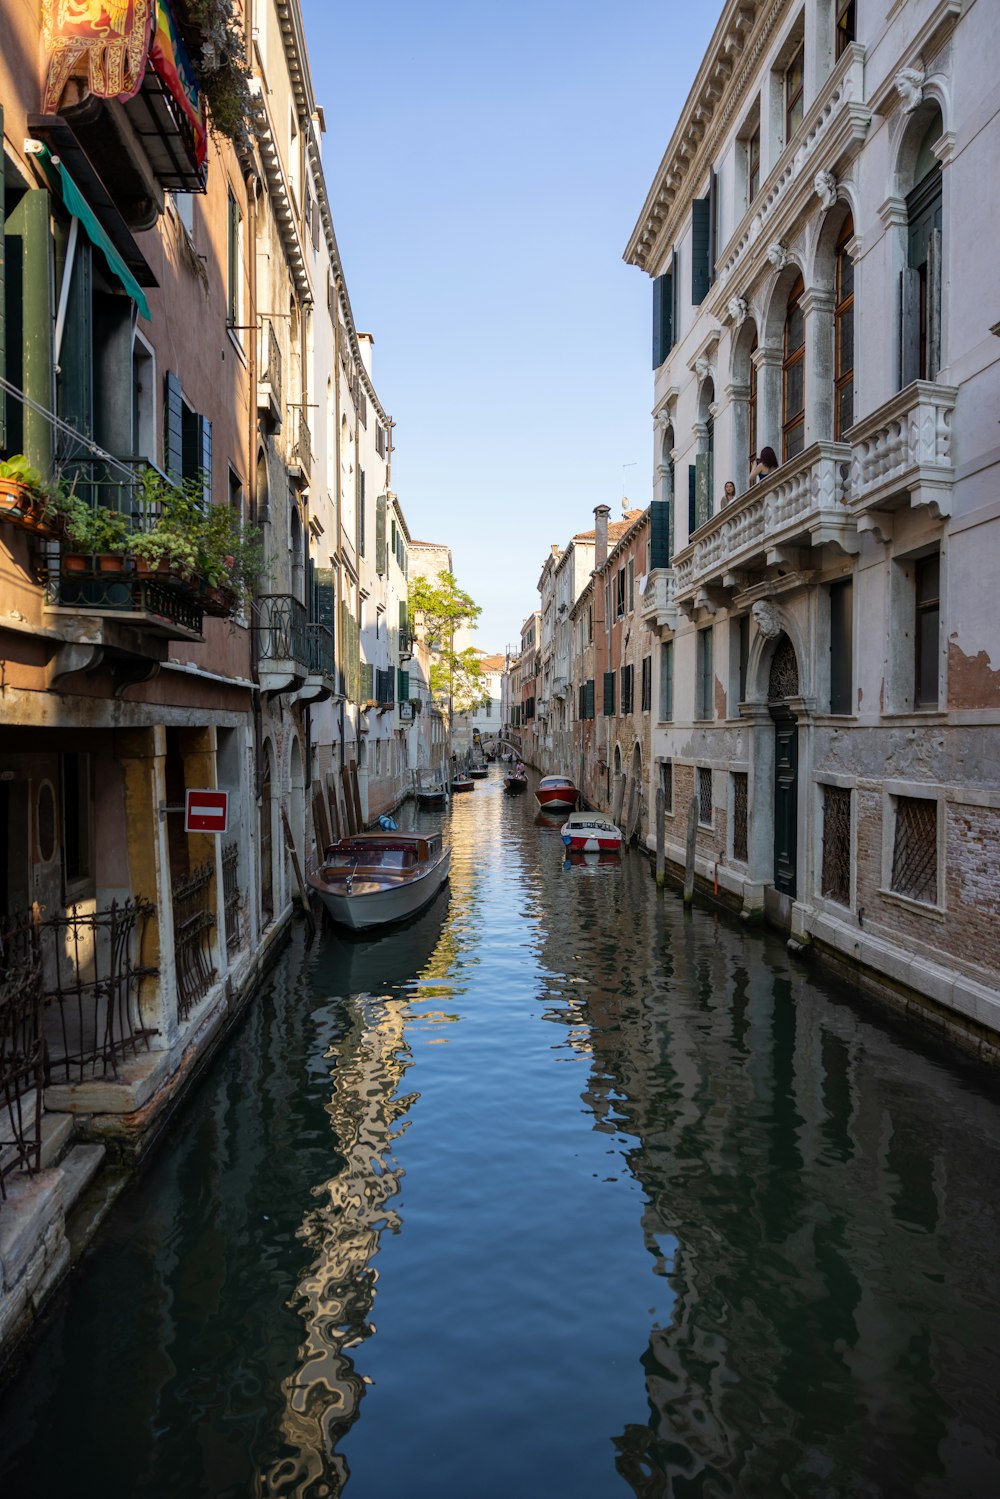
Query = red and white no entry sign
x=206 y=811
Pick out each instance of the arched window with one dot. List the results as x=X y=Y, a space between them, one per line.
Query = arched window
x=921 y=289
x=793 y=376
x=843 y=326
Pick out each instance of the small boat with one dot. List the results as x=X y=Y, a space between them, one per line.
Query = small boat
x=462 y=782
x=432 y=796
x=591 y=833
x=372 y=879
x=479 y=772
x=514 y=784
x=556 y=794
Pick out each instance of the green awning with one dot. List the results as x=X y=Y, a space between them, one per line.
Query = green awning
x=77 y=205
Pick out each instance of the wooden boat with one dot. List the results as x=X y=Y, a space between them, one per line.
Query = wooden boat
x=514 y=784
x=479 y=772
x=372 y=879
x=556 y=794
x=432 y=796
x=462 y=782
x=591 y=833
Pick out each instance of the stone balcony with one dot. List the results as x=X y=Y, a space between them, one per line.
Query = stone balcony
x=901 y=456
x=657 y=607
x=803 y=506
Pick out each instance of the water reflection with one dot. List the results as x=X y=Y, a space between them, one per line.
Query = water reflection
x=667 y=1215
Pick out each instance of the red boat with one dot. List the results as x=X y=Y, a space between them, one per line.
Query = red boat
x=556 y=794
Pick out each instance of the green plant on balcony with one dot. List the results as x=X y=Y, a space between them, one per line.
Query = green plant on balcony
x=90 y=530
x=223 y=71
x=200 y=541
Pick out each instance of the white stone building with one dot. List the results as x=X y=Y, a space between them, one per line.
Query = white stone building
x=827 y=687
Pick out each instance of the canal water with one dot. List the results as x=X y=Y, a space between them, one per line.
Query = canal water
x=559 y=1192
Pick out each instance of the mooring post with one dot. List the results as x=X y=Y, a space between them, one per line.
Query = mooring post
x=692 y=840
x=661 y=863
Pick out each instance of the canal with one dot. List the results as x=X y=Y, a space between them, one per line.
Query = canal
x=559 y=1192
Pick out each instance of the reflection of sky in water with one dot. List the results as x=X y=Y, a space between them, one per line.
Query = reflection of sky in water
x=558 y=1191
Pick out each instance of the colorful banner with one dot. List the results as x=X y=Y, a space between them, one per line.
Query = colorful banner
x=172 y=64
x=110 y=36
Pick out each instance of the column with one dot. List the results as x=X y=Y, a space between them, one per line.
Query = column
x=817 y=307
x=142 y=753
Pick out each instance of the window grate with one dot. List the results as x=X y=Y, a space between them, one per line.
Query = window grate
x=705 y=797
x=231 y=896
x=836 y=870
x=740 y=797
x=193 y=923
x=914 y=851
x=783 y=680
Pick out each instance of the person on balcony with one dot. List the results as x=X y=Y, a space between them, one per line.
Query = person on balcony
x=764 y=465
x=728 y=493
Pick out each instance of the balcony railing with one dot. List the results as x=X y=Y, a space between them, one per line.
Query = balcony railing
x=658 y=607
x=161 y=607
x=901 y=453
x=269 y=388
x=281 y=630
x=320 y=645
x=303 y=456
x=406 y=643
x=803 y=504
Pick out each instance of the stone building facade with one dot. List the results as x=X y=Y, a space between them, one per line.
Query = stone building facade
x=827 y=687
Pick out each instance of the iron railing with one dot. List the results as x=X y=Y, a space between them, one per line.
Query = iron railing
x=231 y=896
x=281 y=628
x=319 y=640
x=125 y=591
x=836 y=869
x=91 y=978
x=194 y=921
x=21 y=1046
x=303 y=447
x=114 y=483
x=271 y=362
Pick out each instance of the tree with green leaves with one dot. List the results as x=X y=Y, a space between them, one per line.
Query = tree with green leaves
x=439 y=608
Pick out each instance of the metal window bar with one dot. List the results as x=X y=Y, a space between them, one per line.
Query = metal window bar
x=914 y=851
x=319 y=639
x=705 y=797
x=21 y=1046
x=271 y=360
x=740 y=799
x=91 y=978
x=193 y=925
x=835 y=874
x=231 y=896
x=281 y=628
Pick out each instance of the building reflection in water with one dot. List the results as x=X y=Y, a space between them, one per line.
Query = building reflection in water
x=819 y=1194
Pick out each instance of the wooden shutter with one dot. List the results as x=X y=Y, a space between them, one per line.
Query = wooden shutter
x=667 y=681
x=631 y=584
x=713 y=224
x=609 y=694
x=404 y=686
x=28 y=251
x=626 y=689
x=700 y=210
x=589 y=699
x=663 y=318
x=702 y=492
x=659 y=532
x=403 y=618
x=933 y=304
x=361 y=512
x=909 y=326
x=326 y=614
x=380 y=558
x=205 y=456
x=173 y=427
x=675 y=299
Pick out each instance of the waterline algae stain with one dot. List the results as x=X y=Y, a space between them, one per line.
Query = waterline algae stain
x=554 y=1191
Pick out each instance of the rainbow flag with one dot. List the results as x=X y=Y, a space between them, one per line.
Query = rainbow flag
x=172 y=64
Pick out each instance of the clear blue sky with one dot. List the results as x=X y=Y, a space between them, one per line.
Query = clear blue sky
x=486 y=164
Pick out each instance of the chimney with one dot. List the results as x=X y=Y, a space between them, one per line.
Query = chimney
x=601 y=513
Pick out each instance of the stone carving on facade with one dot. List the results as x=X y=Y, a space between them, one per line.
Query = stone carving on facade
x=825 y=184
x=737 y=309
x=703 y=369
x=777 y=254
x=767 y=618
x=910 y=87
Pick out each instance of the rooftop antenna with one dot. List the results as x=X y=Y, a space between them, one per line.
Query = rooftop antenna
x=624 y=500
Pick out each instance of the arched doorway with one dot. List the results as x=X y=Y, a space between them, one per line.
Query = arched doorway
x=783 y=683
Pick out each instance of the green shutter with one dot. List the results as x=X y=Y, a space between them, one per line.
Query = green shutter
x=713 y=224
x=667 y=681
x=659 y=534
x=403 y=690
x=380 y=558
x=609 y=694
x=663 y=318
x=700 y=237
x=361 y=512
x=367 y=681
x=326 y=613
x=29 y=347
x=173 y=427
x=589 y=713
x=692 y=497
x=205 y=456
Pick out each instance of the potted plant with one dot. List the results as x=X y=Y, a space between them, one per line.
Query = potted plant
x=25 y=500
x=95 y=534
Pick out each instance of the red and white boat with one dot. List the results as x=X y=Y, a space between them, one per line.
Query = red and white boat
x=591 y=833
x=556 y=794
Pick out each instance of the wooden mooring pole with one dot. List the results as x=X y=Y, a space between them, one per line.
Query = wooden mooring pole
x=661 y=862
x=692 y=840
x=297 y=867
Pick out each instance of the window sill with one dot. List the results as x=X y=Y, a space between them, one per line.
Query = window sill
x=916 y=716
x=908 y=903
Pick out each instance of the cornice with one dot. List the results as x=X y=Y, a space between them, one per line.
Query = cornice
x=744 y=30
x=279 y=192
